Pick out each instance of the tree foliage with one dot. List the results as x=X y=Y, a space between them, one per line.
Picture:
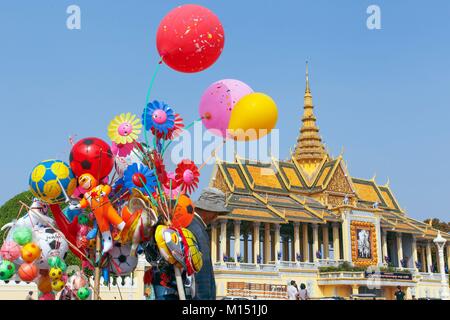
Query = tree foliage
x=438 y=224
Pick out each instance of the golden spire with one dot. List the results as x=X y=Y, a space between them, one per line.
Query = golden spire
x=309 y=150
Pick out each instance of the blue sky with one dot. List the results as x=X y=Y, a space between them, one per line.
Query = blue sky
x=382 y=94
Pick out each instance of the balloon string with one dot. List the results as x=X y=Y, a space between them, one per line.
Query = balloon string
x=147 y=98
x=184 y=129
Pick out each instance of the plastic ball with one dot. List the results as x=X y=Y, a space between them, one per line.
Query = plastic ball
x=45 y=284
x=54 y=262
x=184 y=212
x=30 y=252
x=46 y=180
x=57 y=285
x=7 y=270
x=83 y=293
x=22 y=235
x=55 y=273
x=47 y=296
x=10 y=251
x=28 y=271
x=57 y=262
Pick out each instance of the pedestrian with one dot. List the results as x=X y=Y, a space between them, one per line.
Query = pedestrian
x=29 y=296
x=292 y=291
x=399 y=294
x=303 y=292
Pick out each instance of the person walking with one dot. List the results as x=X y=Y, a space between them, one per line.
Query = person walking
x=303 y=292
x=292 y=291
x=399 y=294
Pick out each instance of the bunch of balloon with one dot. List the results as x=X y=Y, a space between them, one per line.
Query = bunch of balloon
x=231 y=109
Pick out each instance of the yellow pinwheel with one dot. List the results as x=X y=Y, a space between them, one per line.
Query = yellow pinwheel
x=124 y=128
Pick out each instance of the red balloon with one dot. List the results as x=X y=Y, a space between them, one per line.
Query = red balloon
x=91 y=155
x=190 y=38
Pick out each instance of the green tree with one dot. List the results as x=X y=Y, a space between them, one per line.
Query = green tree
x=438 y=224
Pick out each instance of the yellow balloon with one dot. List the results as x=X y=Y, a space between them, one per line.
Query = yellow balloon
x=253 y=117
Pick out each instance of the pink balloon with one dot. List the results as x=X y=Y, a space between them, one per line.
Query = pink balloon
x=218 y=101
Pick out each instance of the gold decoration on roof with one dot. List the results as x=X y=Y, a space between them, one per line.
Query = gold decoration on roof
x=309 y=150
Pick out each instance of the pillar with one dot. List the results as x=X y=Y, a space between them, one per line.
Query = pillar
x=223 y=239
x=429 y=259
x=355 y=289
x=296 y=240
x=237 y=239
x=305 y=243
x=214 y=242
x=315 y=241
x=414 y=251
x=267 y=244
x=325 y=241
x=384 y=244
x=399 y=249
x=246 y=258
x=448 y=257
x=336 y=244
x=277 y=242
x=423 y=259
x=255 y=241
x=438 y=261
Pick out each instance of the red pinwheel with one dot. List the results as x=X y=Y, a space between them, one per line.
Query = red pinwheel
x=172 y=132
x=186 y=175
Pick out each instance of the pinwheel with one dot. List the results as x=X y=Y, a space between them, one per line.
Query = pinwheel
x=158 y=117
x=186 y=176
x=124 y=128
x=140 y=177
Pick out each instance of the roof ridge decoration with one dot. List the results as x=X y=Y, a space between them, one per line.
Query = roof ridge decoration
x=277 y=166
x=303 y=203
x=249 y=181
x=230 y=184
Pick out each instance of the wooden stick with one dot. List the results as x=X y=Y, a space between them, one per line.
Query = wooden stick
x=98 y=248
x=180 y=286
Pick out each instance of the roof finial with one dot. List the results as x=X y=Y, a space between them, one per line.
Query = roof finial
x=374 y=177
x=307 y=89
x=388 y=182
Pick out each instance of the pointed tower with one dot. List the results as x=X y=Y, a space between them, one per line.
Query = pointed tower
x=309 y=151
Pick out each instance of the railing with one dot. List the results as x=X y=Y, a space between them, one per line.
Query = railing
x=341 y=275
x=257 y=290
x=328 y=262
x=430 y=276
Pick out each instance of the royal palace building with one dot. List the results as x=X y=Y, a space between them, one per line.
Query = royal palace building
x=308 y=219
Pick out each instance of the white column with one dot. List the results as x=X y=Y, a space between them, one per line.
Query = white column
x=255 y=241
x=399 y=249
x=223 y=239
x=336 y=245
x=384 y=244
x=325 y=241
x=414 y=251
x=438 y=261
x=267 y=244
x=296 y=240
x=429 y=259
x=305 y=243
x=237 y=239
x=277 y=242
x=213 y=242
x=315 y=241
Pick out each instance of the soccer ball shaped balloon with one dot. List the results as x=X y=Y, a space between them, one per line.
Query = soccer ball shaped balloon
x=52 y=244
x=91 y=155
x=122 y=259
x=47 y=178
